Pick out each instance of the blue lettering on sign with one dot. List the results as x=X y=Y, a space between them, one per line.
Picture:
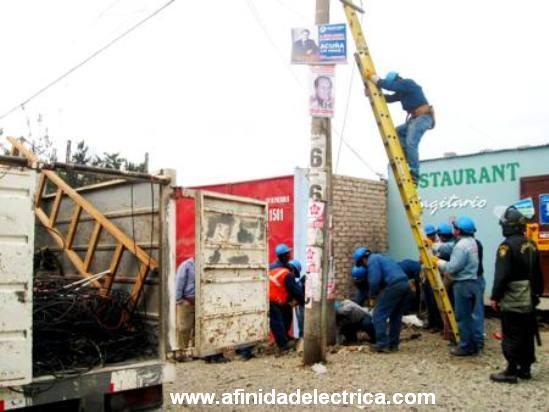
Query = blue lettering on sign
x=544 y=209
x=332 y=43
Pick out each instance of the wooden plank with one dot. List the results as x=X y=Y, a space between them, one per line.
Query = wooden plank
x=138 y=285
x=105 y=223
x=115 y=262
x=55 y=207
x=92 y=245
x=90 y=209
x=72 y=255
x=77 y=211
x=40 y=189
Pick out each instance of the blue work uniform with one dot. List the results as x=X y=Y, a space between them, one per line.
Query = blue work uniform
x=388 y=284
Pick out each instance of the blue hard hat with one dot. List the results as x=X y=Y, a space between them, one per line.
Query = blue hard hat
x=465 y=224
x=391 y=77
x=359 y=272
x=430 y=230
x=295 y=264
x=360 y=252
x=445 y=229
x=282 y=249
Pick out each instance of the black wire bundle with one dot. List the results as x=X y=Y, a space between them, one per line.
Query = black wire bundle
x=76 y=329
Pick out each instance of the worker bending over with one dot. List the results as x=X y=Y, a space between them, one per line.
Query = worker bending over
x=518 y=284
x=351 y=319
x=462 y=270
x=419 y=119
x=388 y=285
x=284 y=293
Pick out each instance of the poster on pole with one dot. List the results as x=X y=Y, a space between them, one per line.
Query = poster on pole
x=544 y=209
x=322 y=100
x=323 y=44
x=332 y=43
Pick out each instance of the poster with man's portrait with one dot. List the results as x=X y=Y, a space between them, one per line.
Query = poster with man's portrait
x=322 y=97
x=322 y=44
x=305 y=46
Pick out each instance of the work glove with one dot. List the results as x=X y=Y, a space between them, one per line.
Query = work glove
x=372 y=76
x=441 y=263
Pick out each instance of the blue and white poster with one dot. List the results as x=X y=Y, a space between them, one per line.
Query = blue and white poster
x=544 y=209
x=323 y=44
x=332 y=43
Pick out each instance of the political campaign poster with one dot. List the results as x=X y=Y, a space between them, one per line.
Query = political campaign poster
x=332 y=43
x=544 y=209
x=322 y=97
x=323 y=44
x=305 y=46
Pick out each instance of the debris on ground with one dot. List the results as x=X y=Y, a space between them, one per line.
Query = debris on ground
x=319 y=368
x=422 y=365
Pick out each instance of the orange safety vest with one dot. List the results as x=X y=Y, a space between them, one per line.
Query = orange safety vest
x=277 y=288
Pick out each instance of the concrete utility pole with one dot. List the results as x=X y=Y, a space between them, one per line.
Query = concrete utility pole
x=319 y=221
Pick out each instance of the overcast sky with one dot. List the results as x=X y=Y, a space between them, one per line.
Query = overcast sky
x=207 y=88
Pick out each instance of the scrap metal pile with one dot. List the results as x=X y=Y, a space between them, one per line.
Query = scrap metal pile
x=76 y=329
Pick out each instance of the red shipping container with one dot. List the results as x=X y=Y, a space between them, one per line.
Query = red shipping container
x=278 y=192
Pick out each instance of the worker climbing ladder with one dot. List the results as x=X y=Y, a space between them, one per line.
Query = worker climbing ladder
x=399 y=165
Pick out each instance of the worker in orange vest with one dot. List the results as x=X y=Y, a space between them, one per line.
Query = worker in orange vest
x=284 y=292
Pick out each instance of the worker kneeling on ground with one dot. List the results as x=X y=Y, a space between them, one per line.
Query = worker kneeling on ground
x=352 y=319
x=420 y=116
x=518 y=284
x=284 y=293
x=462 y=270
x=391 y=300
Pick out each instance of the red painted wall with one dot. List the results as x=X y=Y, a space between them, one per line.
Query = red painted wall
x=278 y=192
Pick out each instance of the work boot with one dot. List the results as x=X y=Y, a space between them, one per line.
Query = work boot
x=393 y=348
x=457 y=351
x=507 y=376
x=524 y=372
x=379 y=349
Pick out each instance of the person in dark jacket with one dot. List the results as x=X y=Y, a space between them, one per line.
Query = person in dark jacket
x=412 y=268
x=284 y=293
x=284 y=255
x=359 y=275
x=352 y=318
x=518 y=284
x=388 y=285
x=420 y=115
x=299 y=309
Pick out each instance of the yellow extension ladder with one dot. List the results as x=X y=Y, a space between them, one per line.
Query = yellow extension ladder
x=399 y=165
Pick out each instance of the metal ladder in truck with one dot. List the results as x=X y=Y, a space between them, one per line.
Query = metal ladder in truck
x=399 y=165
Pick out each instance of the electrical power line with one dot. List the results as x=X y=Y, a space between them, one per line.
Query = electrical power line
x=259 y=20
x=83 y=62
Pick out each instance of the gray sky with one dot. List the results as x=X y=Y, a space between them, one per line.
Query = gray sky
x=206 y=86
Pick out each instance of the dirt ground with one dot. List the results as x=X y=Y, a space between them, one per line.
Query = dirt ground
x=422 y=365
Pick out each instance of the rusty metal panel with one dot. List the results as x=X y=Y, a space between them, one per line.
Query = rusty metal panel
x=231 y=269
x=16 y=271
